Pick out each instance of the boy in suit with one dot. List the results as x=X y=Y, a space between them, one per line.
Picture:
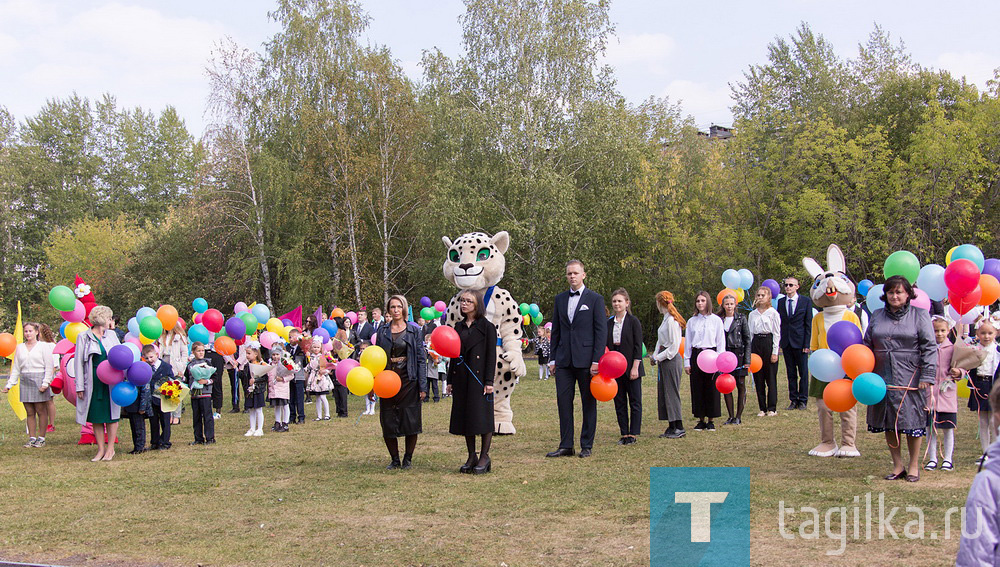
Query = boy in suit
x=159 y=422
x=796 y=316
x=579 y=333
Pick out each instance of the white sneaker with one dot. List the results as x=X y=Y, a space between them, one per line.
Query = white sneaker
x=761 y=414
x=216 y=416
x=258 y=433
x=249 y=433
x=772 y=413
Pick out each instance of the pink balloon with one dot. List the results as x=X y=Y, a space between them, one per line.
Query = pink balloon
x=77 y=315
x=267 y=339
x=327 y=347
x=343 y=367
x=352 y=317
x=922 y=300
x=440 y=307
x=108 y=374
x=69 y=383
x=726 y=362
x=240 y=308
x=130 y=338
x=707 y=361
x=197 y=318
x=64 y=346
x=374 y=336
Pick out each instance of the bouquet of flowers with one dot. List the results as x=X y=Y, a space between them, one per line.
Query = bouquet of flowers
x=289 y=363
x=172 y=393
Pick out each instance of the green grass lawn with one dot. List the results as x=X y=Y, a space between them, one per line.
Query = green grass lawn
x=319 y=495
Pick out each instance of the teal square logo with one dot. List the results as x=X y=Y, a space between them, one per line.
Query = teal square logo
x=699 y=516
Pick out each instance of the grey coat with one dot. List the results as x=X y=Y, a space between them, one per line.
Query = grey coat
x=83 y=363
x=905 y=355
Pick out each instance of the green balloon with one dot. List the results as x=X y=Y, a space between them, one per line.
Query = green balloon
x=249 y=321
x=537 y=319
x=644 y=350
x=427 y=313
x=151 y=328
x=902 y=263
x=62 y=298
x=523 y=308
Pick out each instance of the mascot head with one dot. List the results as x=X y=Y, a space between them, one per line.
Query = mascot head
x=85 y=295
x=476 y=260
x=831 y=286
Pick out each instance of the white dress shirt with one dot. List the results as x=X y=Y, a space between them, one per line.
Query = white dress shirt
x=574 y=301
x=668 y=339
x=767 y=322
x=704 y=332
x=790 y=303
x=616 y=332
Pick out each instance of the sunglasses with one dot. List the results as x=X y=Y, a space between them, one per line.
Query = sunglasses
x=790 y=285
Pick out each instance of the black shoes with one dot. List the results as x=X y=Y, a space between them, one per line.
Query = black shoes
x=701 y=426
x=584 y=453
x=628 y=440
x=407 y=461
x=469 y=464
x=485 y=468
x=393 y=465
x=623 y=441
x=675 y=434
x=234 y=410
x=792 y=406
x=737 y=421
x=196 y=443
x=710 y=426
x=560 y=453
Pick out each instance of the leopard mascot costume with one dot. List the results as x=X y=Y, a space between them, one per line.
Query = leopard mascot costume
x=476 y=261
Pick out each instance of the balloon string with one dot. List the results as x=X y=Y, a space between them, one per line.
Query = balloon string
x=899 y=409
x=489 y=397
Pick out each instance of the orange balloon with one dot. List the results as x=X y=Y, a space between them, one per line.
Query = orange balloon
x=168 y=316
x=756 y=363
x=857 y=359
x=338 y=312
x=387 y=384
x=838 y=396
x=603 y=389
x=991 y=289
x=724 y=293
x=225 y=346
x=7 y=344
x=681 y=351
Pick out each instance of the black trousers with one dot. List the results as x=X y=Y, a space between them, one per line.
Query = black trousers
x=159 y=427
x=234 y=384
x=567 y=381
x=137 y=423
x=629 y=399
x=433 y=386
x=340 y=398
x=201 y=416
x=765 y=381
x=217 y=395
x=296 y=401
x=797 y=367
x=705 y=401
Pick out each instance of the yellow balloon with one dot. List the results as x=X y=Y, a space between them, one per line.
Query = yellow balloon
x=373 y=358
x=144 y=340
x=275 y=326
x=947 y=258
x=963 y=390
x=14 y=398
x=285 y=331
x=740 y=294
x=73 y=330
x=360 y=380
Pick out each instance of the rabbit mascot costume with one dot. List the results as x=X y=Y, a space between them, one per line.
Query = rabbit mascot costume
x=833 y=293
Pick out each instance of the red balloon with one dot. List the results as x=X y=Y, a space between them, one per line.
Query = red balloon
x=603 y=389
x=213 y=319
x=445 y=341
x=965 y=303
x=612 y=364
x=961 y=276
x=725 y=383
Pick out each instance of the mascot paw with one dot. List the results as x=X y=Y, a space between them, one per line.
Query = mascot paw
x=847 y=452
x=824 y=450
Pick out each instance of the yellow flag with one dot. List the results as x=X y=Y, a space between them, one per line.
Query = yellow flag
x=14 y=394
x=18 y=330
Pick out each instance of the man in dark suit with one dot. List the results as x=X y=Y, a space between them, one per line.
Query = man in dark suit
x=796 y=330
x=364 y=330
x=579 y=333
x=377 y=320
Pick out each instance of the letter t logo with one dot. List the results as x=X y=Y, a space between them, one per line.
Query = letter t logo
x=701 y=512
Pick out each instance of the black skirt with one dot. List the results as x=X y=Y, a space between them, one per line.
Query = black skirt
x=471 y=411
x=400 y=414
x=256 y=399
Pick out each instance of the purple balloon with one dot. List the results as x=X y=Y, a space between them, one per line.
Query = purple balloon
x=236 y=328
x=841 y=335
x=992 y=267
x=425 y=301
x=323 y=334
x=139 y=374
x=287 y=322
x=773 y=286
x=120 y=357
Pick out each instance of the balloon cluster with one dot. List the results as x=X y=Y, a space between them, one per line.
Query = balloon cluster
x=530 y=314
x=737 y=283
x=610 y=366
x=847 y=356
x=369 y=374
x=722 y=363
x=431 y=310
x=125 y=372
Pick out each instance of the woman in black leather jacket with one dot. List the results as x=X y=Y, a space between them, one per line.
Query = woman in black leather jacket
x=738 y=342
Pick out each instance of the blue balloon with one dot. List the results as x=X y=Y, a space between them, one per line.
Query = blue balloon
x=872 y=298
x=136 y=353
x=198 y=333
x=261 y=312
x=971 y=253
x=774 y=303
x=124 y=394
x=200 y=305
x=331 y=326
x=931 y=280
x=731 y=279
x=533 y=309
x=62 y=329
x=825 y=365
x=746 y=278
x=865 y=285
x=144 y=312
x=133 y=326
x=868 y=388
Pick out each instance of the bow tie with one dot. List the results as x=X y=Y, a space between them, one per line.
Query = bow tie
x=572 y=293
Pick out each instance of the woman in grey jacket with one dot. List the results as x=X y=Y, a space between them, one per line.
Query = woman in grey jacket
x=94 y=403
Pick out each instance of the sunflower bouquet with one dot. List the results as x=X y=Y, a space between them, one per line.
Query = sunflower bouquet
x=172 y=393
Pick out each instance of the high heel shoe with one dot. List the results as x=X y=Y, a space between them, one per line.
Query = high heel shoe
x=482 y=469
x=468 y=466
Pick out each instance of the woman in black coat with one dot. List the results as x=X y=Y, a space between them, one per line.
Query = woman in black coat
x=625 y=336
x=470 y=381
x=400 y=414
x=738 y=342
